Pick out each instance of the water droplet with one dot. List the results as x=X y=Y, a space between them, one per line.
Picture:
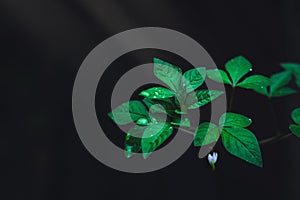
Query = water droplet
x=128 y=151
x=250 y=70
x=142 y=121
x=153 y=119
x=128 y=148
x=145 y=94
x=156 y=93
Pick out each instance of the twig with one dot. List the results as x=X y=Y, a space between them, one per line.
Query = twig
x=274 y=116
x=231 y=99
x=270 y=140
x=275 y=138
x=184 y=130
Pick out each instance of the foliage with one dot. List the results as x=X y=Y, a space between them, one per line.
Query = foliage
x=295 y=128
x=236 y=139
x=165 y=109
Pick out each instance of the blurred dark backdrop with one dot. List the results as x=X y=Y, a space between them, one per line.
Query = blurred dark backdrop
x=43 y=44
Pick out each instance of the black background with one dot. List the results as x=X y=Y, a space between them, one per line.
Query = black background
x=43 y=44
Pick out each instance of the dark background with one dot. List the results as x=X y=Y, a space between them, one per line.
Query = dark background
x=43 y=43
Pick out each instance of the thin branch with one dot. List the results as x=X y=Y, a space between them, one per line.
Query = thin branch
x=274 y=116
x=231 y=99
x=270 y=140
x=275 y=138
x=185 y=130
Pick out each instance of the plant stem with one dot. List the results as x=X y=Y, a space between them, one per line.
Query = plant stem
x=270 y=140
x=275 y=138
x=213 y=166
x=274 y=117
x=231 y=99
x=184 y=130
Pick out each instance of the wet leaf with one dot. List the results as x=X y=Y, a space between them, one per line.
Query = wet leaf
x=129 y=112
x=255 y=81
x=201 y=97
x=157 y=93
x=237 y=68
x=243 y=144
x=132 y=142
x=154 y=136
x=234 y=119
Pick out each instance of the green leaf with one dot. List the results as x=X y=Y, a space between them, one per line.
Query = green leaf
x=181 y=111
x=206 y=133
x=219 y=76
x=201 y=97
x=168 y=73
x=184 y=122
x=293 y=67
x=129 y=112
x=157 y=93
x=262 y=90
x=255 y=81
x=279 y=80
x=277 y=89
x=154 y=136
x=142 y=122
x=298 y=80
x=283 y=92
x=193 y=78
x=295 y=129
x=233 y=119
x=132 y=142
x=160 y=106
x=243 y=144
x=296 y=115
x=237 y=68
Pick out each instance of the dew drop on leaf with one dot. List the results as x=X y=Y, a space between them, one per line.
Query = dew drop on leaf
x=145 y=94
x=128 y=151
x=142 y=121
